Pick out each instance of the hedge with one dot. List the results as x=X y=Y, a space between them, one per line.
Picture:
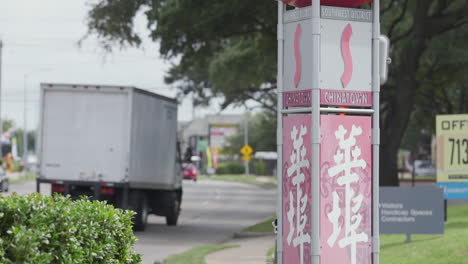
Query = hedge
x=259 y=167
x=256 y=167
x=44 y=229
x=230 y=168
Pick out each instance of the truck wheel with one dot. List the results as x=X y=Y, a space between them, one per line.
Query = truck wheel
x=139 y=203
x=174 y=210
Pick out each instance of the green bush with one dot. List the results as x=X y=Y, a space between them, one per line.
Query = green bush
x=230 y=168
x=259 y=167
x=43 y=229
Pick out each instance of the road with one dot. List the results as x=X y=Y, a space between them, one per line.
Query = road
x=211 y=212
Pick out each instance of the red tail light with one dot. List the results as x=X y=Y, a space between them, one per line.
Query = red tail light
x=107 y=191
x=58 y=188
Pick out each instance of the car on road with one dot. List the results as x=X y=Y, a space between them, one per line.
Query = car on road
x=4 y=182
x=189 y=171
x=424 y=168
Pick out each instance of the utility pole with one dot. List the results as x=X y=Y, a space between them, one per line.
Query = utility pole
x=246 y=142
x=193 y=106
x=1 y=125
x=25 y=130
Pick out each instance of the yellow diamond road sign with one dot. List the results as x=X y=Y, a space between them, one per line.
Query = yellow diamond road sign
x=246 y=158
x=246 y=150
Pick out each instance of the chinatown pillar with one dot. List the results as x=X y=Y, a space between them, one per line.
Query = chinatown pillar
x=328 y=132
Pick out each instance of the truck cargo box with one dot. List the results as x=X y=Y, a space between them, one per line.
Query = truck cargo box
x=108 y=134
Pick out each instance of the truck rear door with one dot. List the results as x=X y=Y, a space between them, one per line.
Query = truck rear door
x=84 y=135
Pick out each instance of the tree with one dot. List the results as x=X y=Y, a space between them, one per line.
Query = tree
x=7 y=125
x=31 y=137
x=223 y=48
x=415 y=29
x=228 y=48
x=262 y=134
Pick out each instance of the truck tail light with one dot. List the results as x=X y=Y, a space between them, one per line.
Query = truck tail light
x=107 y=191
x=58 y=188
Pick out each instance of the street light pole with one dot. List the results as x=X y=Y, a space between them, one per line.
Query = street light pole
x=246 y=142
x=25 y=132
x=1 y=125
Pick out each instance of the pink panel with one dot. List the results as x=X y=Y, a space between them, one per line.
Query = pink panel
x=297 y=154
x=345 y=98
x=345 y=189
x=297 y=98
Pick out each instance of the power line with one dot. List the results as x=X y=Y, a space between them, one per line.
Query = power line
x=78 y=49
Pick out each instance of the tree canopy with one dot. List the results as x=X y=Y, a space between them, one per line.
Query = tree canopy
x=229 y=48
x=222 y=48
x=262 y=134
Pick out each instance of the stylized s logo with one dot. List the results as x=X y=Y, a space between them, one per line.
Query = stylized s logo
x=347 y=58
x=297 y=55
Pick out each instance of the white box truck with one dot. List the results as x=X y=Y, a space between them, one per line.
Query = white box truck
x=111 y=143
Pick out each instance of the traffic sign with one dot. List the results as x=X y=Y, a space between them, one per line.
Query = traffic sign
x=246 y=158
x=246 y=150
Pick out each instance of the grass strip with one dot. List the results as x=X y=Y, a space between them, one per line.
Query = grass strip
x=263 y=227
x=259 y=180
x=195 y=255
x=271 y=255
x=30 y=176
x=451 y=247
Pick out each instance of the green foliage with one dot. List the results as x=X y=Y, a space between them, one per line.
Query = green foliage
x=223 y=48
x=7 y=124
x=271 y=255
x=264 y=181
x=30 y=176
x=262 y=134
x=230 y=168
x=262 y=227
x=31 y=137
x=43 y=229
x=259 y=167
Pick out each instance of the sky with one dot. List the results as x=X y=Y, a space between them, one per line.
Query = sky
x=40 y=44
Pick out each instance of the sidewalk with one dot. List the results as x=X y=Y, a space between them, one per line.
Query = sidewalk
x=251 y=250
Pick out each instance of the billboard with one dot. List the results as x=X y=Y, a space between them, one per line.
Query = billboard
x=452 y=148
x=219 y=133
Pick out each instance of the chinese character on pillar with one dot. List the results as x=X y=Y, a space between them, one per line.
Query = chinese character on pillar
x=346 y=189
x=297 y=189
